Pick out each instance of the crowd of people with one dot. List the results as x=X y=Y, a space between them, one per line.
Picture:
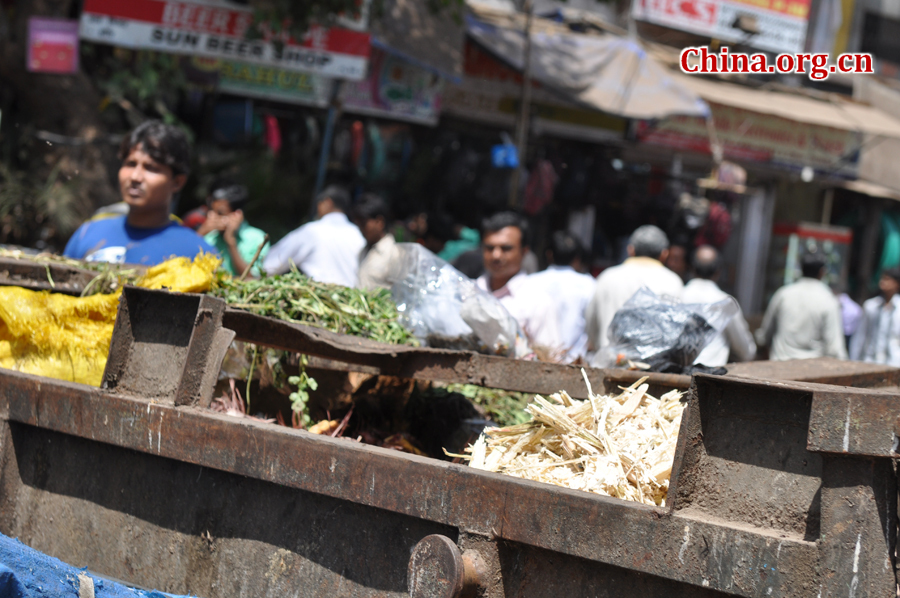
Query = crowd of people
x=561 y=309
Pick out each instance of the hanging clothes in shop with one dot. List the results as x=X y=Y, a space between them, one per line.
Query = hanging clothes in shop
x=273 y=134
x=541 y=184
x=717 y=228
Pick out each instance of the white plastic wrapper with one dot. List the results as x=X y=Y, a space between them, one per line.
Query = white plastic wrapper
x=665 y=335
x=444 y=308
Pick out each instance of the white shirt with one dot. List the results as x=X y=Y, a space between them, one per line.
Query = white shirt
x=616 y=285
x=571 y=292
x=326 y=250
x=877 y=339
x=532 y=308
x=378 y=263
x=735 y=339
x=803 y=321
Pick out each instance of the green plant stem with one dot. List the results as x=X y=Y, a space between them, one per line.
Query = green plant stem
x=250 y=376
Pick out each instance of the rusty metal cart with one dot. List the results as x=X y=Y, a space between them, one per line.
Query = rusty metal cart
x=778 y=489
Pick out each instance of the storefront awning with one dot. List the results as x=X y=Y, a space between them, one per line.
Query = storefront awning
x=838 y=114
x=607 y=72
x=871 y=189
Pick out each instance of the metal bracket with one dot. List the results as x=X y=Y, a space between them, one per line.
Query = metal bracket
x=167 y=347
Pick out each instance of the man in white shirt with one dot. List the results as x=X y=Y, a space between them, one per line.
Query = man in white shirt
x=327 y=249
x=736 y=339
x=803 y=319
x=648 y=248
x=570 y=290
x=378 y=259
x=877 y=339
x=504 y=239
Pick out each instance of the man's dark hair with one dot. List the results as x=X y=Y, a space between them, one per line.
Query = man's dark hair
x=501 y=220
x=706 y=266
x=371 y=206
x=338 y=195
x=892 y=273
x=166 y=144
x=565 y=248
x=812 y=264
x=228 y=189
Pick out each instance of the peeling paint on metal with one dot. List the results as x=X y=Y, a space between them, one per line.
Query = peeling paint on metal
x=687 y=539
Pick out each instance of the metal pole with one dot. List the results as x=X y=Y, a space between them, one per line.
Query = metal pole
x=523 y=122
x=333 y=113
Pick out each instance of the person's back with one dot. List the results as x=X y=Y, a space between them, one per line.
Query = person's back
x=736 y=340
x=803 y=319
x=616 y=285
x=327 y=249
x=570 y=292
x=155 y=163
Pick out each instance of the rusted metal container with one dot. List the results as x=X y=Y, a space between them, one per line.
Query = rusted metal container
x=778 y=488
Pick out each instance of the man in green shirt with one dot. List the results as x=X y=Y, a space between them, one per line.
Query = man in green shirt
x=227 y=231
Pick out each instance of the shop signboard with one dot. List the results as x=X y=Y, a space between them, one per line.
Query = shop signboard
x=271 y=83
x=490 y=93
x=395 y=89
x=782 y=23
x=756 y=137
x=218 y=30
x=52 y=45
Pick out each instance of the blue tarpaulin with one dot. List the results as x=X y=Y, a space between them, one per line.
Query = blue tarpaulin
x=27 y=573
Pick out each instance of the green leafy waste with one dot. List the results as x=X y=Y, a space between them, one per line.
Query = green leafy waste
x=505 y=407
x=294 y=297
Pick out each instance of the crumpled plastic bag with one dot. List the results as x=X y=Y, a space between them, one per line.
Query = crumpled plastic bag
x=67 y=338
x=663 y=334
x=444 y=308
x=182 y=274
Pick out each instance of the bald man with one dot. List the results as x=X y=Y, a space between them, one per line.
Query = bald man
x=736 y=339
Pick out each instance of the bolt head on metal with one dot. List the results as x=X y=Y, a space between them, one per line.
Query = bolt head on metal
x=436 y=569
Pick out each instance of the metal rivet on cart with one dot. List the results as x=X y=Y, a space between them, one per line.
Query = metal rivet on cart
x=436 y=569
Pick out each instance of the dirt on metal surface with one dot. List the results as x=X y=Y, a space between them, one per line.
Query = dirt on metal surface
x=189 y=529
x=44 y=276
x=822 y=370
x=745 y=459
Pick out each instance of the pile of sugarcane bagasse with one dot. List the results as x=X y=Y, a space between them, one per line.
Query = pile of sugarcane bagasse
x=621 y=446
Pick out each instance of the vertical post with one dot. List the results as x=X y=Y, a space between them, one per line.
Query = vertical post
x=333 y=113
x=827 y=205
x=869 y=247
x=755 y=233
x=524 y=117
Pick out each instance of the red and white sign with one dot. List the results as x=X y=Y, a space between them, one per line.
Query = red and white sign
x=217 y=30
x=782 y=23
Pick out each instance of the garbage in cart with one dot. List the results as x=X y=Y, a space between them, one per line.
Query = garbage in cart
x=659 y=335
x=444 y=308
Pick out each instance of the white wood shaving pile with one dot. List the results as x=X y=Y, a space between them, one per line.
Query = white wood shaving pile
x=621 y=446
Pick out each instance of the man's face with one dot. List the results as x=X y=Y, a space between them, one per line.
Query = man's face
x=888 y=286
x=220 y=207
x=503 y=252
x=145 y=184
x=372 y=229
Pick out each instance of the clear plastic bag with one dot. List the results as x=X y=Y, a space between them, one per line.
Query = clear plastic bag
x=444 y=308
x=665 y=335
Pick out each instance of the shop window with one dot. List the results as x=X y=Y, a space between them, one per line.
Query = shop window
x=881 y=37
